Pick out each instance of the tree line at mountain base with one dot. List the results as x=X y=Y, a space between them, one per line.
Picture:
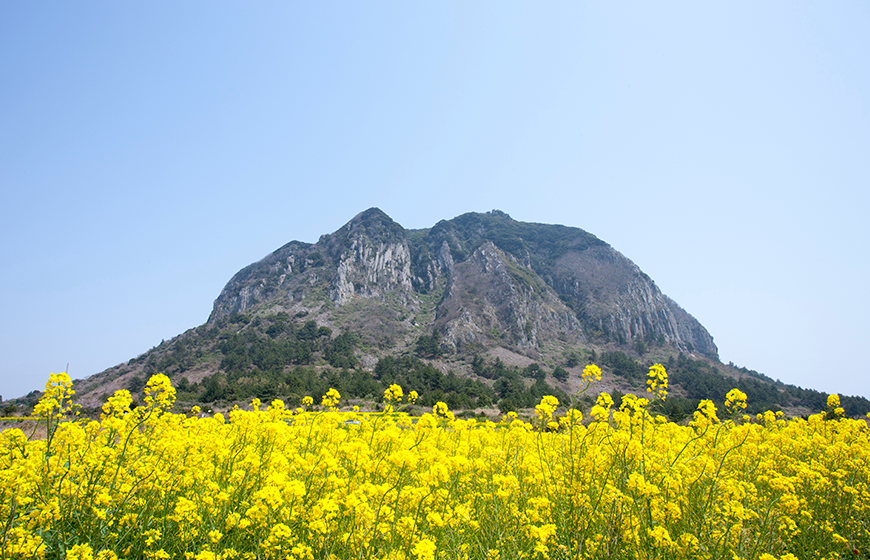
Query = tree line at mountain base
x=283 y=357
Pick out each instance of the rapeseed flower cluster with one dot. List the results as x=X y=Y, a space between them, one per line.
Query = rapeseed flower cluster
x=591 y=374
x=601 y=409
x=331 y=398
x=56 y=401
x=735 y=402
x=834 y=409
x=657 y=382
x=393 y=393
x=317 y=482
x=441 y=410
x=547 y=407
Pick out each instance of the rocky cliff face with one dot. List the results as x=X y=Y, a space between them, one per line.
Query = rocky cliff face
x=492 y=297
x=615 y=298
x=495 y=281
x=370 y=269
x=265 y=279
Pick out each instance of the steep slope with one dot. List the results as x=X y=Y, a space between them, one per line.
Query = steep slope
x=610 y=296
x=492 y=299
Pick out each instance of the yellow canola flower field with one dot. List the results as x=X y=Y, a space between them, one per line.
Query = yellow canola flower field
x=277 y=483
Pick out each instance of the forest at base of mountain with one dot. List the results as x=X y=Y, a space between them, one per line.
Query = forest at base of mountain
x=281 y=357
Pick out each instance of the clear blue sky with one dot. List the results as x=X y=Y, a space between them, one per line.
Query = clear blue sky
x=150 y=150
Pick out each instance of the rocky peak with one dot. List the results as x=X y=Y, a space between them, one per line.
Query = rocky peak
x=370 y=269
x=500 y=282
x=372 y=257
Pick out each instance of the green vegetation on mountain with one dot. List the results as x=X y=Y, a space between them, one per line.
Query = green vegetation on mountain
x=279 y=356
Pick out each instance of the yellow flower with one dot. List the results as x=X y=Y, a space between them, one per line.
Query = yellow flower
x=151 y=536
x=834 y=408
x=185 y=511
x=393 y=393
x=434 y=518
x=80 y=552
x=331 y=398
x=118 y=404
x=658 y=381
x=159 y=393
x=547 y=407
x=425 y=549
x=705 y=415
x=442 y=411
x=55 y=401
x=572 y=418
x=591 y=373
x=601 y=409
x=735 y=402
x=661 y=538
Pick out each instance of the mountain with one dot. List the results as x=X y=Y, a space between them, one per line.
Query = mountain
x=492 y=280
x=481 y=309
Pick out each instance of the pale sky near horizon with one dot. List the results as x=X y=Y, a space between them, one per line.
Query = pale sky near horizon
x=148 y=151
